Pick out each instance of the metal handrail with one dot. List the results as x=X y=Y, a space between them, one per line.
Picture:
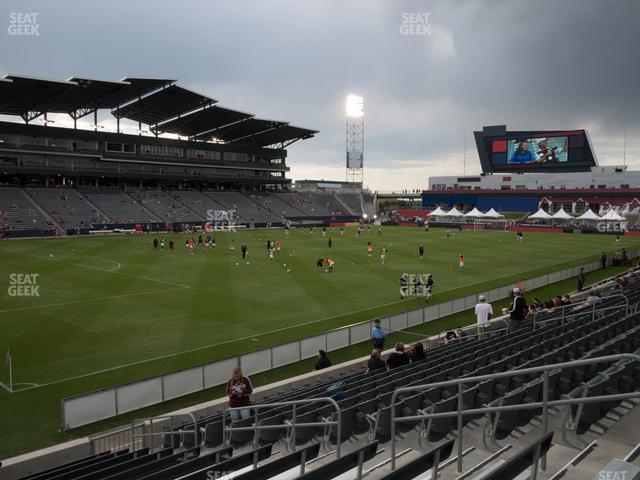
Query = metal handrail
x=149 y=420
x=545 y=404
x=256 y=427
x=583 y=311
x=564 y=308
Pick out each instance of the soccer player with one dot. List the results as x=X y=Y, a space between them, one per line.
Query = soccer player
x=341 y=231
x=330 y=243
x=243 y=249
x=330 y=264
x=172 y=246
x=461 y=259
x=379 y=231
x=426 y=225
x=232 y=247
x=155 y=244
x=429 y=287
x=383 y=254
x=421 y=252
x=324 y=231
x=200 y=241
x=404 y=285
x=191 y=244
x=162 y=243
x=278 y=245
x=320 y=264
x=271 y=253
x=448 y=234
x=417 y=288
x=268 y=245
x=286 y=230
x=369 y=249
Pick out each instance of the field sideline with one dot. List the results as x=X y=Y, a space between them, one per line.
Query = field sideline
x=111 y=310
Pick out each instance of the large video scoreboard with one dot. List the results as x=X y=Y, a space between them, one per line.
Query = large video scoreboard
x=534 y=151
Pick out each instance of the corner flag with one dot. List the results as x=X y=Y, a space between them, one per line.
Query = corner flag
x=8 y=358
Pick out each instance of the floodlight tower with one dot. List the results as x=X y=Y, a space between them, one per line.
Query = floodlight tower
x=355 y=138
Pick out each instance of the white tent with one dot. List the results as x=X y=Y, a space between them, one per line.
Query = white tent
x=589 y=215
x=613 y=216
x=562 y=215
x=454 y=212
x=438 y=212
x=540 y=215
x=475 y=213
x=493 y=214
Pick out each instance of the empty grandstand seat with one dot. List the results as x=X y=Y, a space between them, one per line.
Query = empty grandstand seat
x=420 y=465
x=343 y=464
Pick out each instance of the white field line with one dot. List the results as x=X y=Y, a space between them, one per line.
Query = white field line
x=195 y=349
x=5 y=387
x=181 y=285
x=90 y=300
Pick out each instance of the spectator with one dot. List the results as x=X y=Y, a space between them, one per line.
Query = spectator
x=336 y=391
x=517 y=311
x=239 y=389
x=417 y=352
x=593 y=298
x=323 y=360
x=378 y=334
x=603 y=260
x=375 y=362
x=399 y=357
x=483 y=312
x=581 y=279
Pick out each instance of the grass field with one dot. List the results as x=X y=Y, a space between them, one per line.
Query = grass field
x=111 y=310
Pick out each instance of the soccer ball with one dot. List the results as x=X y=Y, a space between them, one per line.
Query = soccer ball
x=237 y=263
x=51 y=255
x=284 y=264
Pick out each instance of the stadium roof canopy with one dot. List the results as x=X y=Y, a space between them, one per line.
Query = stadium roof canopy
x=30 y=97
x=157 y=102
x=258 y=132
x=200 y=121
x=162 y=105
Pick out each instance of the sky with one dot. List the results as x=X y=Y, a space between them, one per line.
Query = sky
x=431 y=72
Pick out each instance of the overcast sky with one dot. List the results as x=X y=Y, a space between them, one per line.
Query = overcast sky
x=551 y=64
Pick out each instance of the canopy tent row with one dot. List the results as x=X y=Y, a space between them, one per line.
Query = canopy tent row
x=540 y=215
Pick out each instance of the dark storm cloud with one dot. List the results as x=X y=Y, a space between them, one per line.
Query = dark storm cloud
x=529 y=64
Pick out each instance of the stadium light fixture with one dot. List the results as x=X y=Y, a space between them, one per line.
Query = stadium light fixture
x=365 y=216
x=355 y=106
x=375 y=216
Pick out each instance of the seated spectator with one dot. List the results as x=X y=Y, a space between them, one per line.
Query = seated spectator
x=323 y=361
x=399 y=357
x=566 y=300
x=416 y=353
x=558 y=301
x=375 y=362
x=593 y=298
x=336 y=391
x=450 y=335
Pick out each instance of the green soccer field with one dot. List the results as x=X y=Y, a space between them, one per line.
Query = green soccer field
x=111 y=310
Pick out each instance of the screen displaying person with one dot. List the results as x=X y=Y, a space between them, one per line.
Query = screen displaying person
x=522 y=154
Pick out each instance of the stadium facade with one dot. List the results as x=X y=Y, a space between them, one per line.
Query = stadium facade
x=190 y=157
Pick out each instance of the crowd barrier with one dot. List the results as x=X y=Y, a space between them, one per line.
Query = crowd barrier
x=109 y=402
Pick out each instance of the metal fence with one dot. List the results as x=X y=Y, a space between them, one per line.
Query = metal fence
x=109 y=402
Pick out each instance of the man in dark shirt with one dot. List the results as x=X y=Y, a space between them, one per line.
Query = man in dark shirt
x=323 y=361
x=375 y=362
x=517 y=311
x=581 y=279
x=603 y=260
x=243 y=249
x=399 y=357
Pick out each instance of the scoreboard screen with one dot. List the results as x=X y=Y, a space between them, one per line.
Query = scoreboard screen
x=543 y=151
